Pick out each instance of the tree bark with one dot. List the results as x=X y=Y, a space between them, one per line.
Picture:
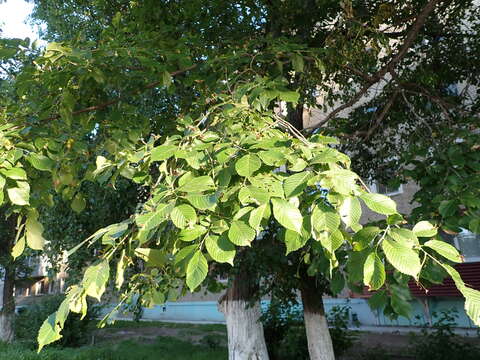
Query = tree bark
x=7 y=312
x=318 y=336
x=246 y=340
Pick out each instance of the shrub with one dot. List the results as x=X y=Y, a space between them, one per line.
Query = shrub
x=285 y=334
x=440 y=342
x=28 y=322
x=338 y=320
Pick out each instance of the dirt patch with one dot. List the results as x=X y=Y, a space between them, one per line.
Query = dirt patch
x=149 y=334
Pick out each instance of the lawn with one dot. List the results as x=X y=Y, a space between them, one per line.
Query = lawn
x=162 y=348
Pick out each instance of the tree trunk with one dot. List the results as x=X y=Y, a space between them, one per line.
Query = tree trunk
x=7 y=313
x=245 y=331
x=318 y=336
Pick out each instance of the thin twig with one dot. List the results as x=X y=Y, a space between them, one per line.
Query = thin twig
x=106 y=104
x=409 y=40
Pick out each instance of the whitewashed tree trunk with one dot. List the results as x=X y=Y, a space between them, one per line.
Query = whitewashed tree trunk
x=6 y=328
x=8 y=306
x=7 y=312
x=318 y=336
x=246 y=340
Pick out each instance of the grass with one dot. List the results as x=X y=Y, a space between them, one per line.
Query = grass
x=127 y=324
x=163 y=348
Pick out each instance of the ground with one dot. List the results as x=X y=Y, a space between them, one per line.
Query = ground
x=127 y=340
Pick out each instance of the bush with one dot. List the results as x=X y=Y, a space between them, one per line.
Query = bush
x=440 y=342
x=285 y=334
x=338 y=319
x=75 y=332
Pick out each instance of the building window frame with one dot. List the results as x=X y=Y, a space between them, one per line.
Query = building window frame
x=466 y=258
x=375 y=187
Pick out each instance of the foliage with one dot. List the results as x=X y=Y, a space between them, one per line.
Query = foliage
x=342 y=338
x=441 y=342
x=187 y=107
x=212 y=341
x=75 y=333
x=285 y=331
x=163 y=348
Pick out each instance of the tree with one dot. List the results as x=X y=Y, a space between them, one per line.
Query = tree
x=210 y=172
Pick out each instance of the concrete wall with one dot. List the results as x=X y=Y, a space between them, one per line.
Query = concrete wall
x=361 y=315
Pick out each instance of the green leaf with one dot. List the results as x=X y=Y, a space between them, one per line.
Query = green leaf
x=14 y=173
x=33 y=233
x=192 y=233
x=331 y=241
x=294 y=241
x=287 y=215
x=364 y=237
x=247 y=165
x=444 y=249
x=256 y=216
x=240 y=233
x=337 y=284
x=341 y=180
x=19 y=195
x=202 y=202
x=220 y=248
x=182 y=258
x=399 y=301
x=95 y=279
x=18 y=248
x=473 y=225
x=373 y=272
x=402 y=257
x=41 y=162
x=162 y=152
x=289 y=96
x=424 y=229
x=448 y=208
x=49 y=332
x=197 y=270
x=297 y=62
x=350 y=211
x=472 y=304
x=120 y=271
x=78 y=204
x=166 y=79
x=183 y=215
x=378 y=300
x=153 y=219
x=272 y=157
x=295 y=184
x=404 y=236
x=153 y=257
x=198 y=184
x=325 y=218
x=379 y=203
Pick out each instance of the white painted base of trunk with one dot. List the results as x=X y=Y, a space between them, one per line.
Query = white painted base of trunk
x=318 y=336
x=6 y=328
x=246 y=340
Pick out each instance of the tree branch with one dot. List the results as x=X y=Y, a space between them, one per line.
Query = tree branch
x=409 y=40
x=106 y=104
x=382 y=114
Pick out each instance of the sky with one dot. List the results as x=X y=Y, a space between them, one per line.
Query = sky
x=13 y=16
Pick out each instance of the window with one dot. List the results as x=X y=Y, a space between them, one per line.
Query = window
x=383 y=189
x=468 y=244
